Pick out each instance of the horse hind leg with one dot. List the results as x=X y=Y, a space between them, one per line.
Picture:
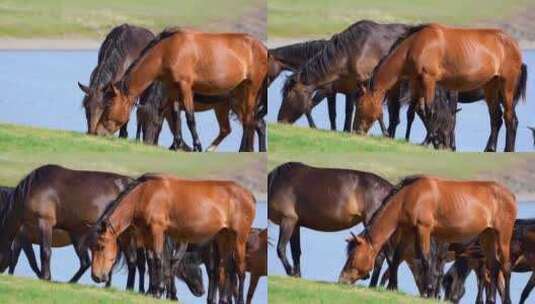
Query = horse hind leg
x=286 y=228
x=509 y=114
x=488 y=247
x=45 y=229
x=222 y=112
x=295 y=245
x=495 y=113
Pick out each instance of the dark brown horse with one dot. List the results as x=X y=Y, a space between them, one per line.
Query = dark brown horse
x=457 y=59
x=291 y=58
x=522 y=260
x=187 y=211
x=447 y=211
x=121 y=47
x=297 y=197
x=188 y=61
x=55 y=207
x=344 y=65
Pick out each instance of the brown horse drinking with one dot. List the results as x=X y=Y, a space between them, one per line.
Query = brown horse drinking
x=188 y=211
x=191 y=62
x=447 y=211
x=297 y=197
x=456 y=59
x=121 y=47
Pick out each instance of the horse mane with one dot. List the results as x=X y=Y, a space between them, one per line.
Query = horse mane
x=113 y=205
x=339 y=45
x=112 y=50
x=279 y=170
x=166 y=33
x=306 y=49
x=409 y=180
x=410 y=31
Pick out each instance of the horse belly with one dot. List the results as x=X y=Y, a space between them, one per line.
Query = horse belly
x=219 y=77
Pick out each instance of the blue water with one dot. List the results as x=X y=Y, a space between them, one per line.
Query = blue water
x=39 y=88
x=316 y=246
x=65 y=264
x=473 y=126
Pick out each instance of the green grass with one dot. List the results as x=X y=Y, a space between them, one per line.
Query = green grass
x=79 y=18
x=296 y=139
x=23 y=290
x=24 y=148
x=300 y=18
x=282 y=290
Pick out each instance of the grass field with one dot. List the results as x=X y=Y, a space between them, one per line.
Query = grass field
x=24 y=148
x=282 y=290
x=289 y=138
x=80 y=18
x=301 y=18
x=22 y=290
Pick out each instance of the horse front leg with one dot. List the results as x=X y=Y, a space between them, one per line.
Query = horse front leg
x=187 y=101
x=83 y=255
x=222 y=115
x=141 y=261
x=410 y=119
x=30 y=255
x=423 y=249
x=331 y=104
x=156 y=251
x=528 y=288
x=378 y=264
x=123 y=133
x=261 y=132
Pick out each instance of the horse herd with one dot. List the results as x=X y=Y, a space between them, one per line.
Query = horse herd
x=431 y=67
x=425 y=221
x=169 y=224
x=177 y=70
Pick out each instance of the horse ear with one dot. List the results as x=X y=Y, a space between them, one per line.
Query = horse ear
x=84 y=88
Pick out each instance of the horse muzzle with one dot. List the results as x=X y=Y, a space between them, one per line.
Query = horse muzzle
x=100 y=278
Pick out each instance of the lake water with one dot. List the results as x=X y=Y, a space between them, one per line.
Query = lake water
x=65 y=263
x=39 y=88
x=473 y=127
x=324 y=256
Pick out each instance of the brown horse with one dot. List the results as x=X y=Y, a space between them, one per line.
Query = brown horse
x=450 y=212
x=121 y=47
x=297 y=198
x=256 y=258
x=457 y=59
x=189 y=61
x=187 y=211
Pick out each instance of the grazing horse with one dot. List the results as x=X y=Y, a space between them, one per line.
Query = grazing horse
x=188 y=61
x=187 y=211
x=53 y=206
x=522 y=259
x=291 y=58
x=151 y=114
x=120 y=48
x=457 y=59
x=297 y=198
x=256 y=258
x=345 y=65
x=448 y=211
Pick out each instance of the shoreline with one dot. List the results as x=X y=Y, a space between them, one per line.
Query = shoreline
x=525 y=45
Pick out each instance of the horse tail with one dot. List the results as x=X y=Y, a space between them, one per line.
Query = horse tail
x=13 y=210
x=521 y=85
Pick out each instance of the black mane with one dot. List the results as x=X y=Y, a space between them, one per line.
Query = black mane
x=303 y=50
x=410 y=31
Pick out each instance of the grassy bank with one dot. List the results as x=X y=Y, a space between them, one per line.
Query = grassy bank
x=301 y=18
x=24 y=148
x=22 y=290
x=296 y=139
x=77 y=18
x=282 y=290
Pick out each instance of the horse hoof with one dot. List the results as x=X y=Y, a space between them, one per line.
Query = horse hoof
x=211 y=148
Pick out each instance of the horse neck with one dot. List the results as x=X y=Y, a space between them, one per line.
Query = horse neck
x=123 y=215
x=142 y=73
x=385 y=222
x=389 y=71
